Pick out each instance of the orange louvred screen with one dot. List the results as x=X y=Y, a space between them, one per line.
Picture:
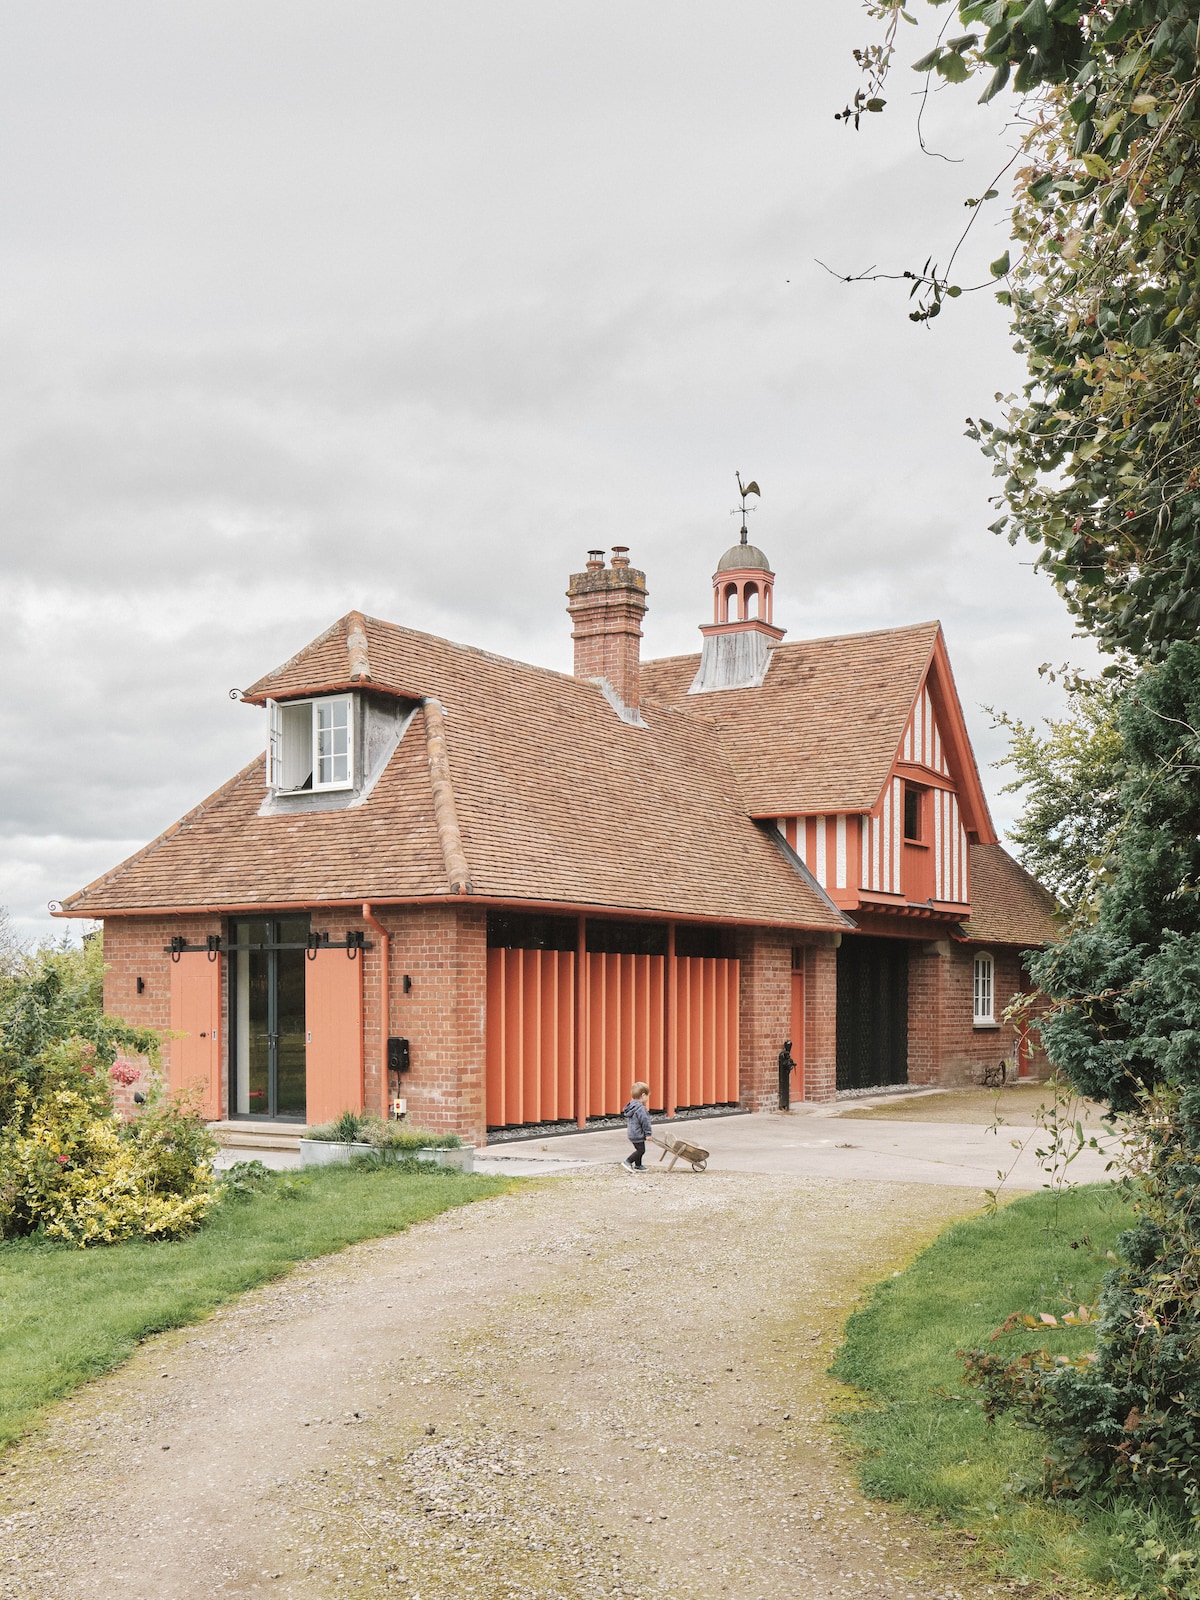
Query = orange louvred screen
x=625 y=1030
x=532 y=1005
x=530 y=1036
x=333 y=1008
x=706 y=1043
x=195 y=1059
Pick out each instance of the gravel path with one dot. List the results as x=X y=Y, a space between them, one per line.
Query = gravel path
x=593 y=1386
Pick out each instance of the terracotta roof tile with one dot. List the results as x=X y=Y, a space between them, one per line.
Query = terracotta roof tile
x=556 y=799
x=822 y=731
x=1008 y=904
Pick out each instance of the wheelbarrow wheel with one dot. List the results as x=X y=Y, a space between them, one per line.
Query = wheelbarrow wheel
x=699 y=1166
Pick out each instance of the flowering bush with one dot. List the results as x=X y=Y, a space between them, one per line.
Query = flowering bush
x=71 y=1168
x=93 y=1179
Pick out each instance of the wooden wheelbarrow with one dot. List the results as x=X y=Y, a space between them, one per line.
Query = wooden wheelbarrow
x=681 y=1150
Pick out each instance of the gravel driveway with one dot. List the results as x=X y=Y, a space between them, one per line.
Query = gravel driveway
x=592 y=1386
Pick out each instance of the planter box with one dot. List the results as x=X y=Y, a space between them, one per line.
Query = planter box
x=328 y=1152
x=463 y=1158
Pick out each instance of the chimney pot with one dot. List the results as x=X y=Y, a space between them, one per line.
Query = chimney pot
x=620 y=555
x=595 y=560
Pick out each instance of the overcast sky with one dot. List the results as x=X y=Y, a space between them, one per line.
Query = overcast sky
x=307 y=306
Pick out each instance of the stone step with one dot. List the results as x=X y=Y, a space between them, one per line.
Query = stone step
x=256 y=1135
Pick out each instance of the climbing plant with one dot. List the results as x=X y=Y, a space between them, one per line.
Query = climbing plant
x=1099 y=457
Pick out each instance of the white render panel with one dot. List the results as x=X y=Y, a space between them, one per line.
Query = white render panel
x=864 y=838
x=897 y=828
x=819 y=868
x=840 y=880
x=937 y=844
x=957 y=858
x=885 y=876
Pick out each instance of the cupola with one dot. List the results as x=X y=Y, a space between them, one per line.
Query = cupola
x=739 y=639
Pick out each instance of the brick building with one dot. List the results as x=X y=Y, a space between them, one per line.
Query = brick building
x=494 y=894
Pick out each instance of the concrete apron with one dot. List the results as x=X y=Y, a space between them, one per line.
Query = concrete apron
x=963 y=1155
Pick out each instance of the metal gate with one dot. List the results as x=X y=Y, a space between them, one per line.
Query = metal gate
x=872 y=1012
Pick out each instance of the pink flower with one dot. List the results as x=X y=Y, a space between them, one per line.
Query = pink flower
x=124 y=1072
x=62 y=1160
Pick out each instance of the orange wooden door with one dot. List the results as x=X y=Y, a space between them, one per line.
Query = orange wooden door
x=195 y=1058
x=706 y=1044
x=626 y=1030
x=333 y=1021
x=798 y=1032
x=530 y=1036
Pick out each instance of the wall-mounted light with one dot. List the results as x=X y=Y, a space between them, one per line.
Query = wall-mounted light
x=407 y=984
x=141 y=986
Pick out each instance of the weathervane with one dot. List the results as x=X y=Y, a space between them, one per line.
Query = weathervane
x=745 y=489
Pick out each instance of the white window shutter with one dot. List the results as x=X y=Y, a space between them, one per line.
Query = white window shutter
x=274 y=746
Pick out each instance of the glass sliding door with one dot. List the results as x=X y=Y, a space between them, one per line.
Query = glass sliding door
x=267 y=1017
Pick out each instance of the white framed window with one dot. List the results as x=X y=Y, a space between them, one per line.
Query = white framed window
x=985 y=989
x=310 y=746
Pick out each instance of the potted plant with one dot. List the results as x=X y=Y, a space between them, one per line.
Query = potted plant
x=356 y=1134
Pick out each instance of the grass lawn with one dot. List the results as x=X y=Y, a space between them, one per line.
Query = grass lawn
x=922 y=1435
x=67 y=1315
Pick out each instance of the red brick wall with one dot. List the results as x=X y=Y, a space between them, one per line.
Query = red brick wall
x=765 y=1013
x=945 y=1046
x=443 y=950
x=133 y=949
x=820 y=1022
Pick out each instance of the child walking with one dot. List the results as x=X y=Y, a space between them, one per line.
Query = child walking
x=637 y=1126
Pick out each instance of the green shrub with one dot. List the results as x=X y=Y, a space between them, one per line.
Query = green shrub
x=71 y=1169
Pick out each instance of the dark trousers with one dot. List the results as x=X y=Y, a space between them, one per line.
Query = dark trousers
x=639 y=1150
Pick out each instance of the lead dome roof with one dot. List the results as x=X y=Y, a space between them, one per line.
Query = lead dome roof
x=743 y=555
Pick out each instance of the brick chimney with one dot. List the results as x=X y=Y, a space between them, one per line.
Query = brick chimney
x=606 y=606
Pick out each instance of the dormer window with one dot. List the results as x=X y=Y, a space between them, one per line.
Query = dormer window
x=311 y=745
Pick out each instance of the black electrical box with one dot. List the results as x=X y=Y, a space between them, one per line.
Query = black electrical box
x=398 y=1055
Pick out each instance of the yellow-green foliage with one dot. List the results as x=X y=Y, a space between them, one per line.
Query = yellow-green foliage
x=73 y=1170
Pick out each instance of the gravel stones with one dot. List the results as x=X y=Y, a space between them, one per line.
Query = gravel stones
x=580 y=1390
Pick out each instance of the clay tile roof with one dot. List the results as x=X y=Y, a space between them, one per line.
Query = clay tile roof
x=823 y=730
x=1008 y=904
x=555 y=799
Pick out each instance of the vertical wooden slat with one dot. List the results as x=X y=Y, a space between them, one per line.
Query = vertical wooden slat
x=671 y=1026
x=495 y=1038
x=582 y=1013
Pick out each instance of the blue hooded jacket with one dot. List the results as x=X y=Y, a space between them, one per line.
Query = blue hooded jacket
x=637 y=1120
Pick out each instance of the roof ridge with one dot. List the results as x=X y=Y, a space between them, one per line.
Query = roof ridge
x=445 y=812
x=800 y=644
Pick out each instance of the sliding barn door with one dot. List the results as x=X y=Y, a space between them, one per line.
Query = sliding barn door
x=195 y=1058
x=333 y=1017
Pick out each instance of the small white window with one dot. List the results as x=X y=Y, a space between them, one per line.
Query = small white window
x=311 y=745
x=985 y=988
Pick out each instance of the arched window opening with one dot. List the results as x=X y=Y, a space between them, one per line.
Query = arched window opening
x=752 y=600
x=985 y=989
x=731 y=602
